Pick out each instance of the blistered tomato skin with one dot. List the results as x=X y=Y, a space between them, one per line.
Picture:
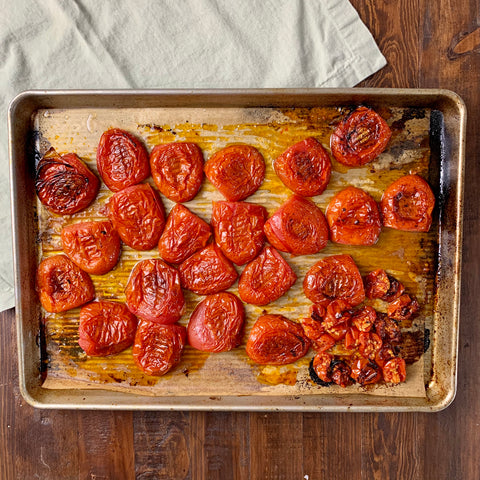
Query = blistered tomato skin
x=64 y=184
x=106 y=328
x=304 y=168
x=122 y=160
x=177 y=170
x=217 y=323
x=238 y=228
x=298 y=227
x=275 y=340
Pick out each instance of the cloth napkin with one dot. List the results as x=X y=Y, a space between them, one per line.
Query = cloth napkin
x=172 y=44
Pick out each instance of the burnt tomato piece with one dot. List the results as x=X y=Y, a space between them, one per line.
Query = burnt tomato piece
x=364 y=371
x=340 y=373
x=403 y=308
x=388 y=329
x=379 y=284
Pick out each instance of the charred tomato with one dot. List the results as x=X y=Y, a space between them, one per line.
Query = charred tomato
x=379 y=284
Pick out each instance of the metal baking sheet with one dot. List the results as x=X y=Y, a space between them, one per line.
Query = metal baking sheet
x=73 y=121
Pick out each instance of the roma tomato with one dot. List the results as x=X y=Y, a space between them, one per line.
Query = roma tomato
x=360 y=138
x=122 y=160
x=184 y=234
x=304 y=168
x=207 y=271
x=298 y=227
x=275 y=340
x=238 y=228
x=237 y=171
x=106 y=328
x=94 y=246
x=407 y=204
x=354 y=218
x=138 y=216
x=62 y=285
x=394 y=370
x=64 y=184
x=216 y=324
x=177 y=170
x=153 y=292
x=266 y=278
x=379 y=284
x=158 y=348
x=403 y=308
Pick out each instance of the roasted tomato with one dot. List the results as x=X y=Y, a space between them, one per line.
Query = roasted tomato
x=338 y=311
x=403 y=308
x=364 y=318
x=387 y=329
x=266 y=278
x=304 y=168
x=384 y=355
x=298 y=227
x=364 y=371
x=207 y=271
x=177 y=170
x=122 y=160
x=184 y=234
x=334 y=277
x=378 y=284
x=341 y=373
x=64 y=184
x=237 y=171
x=394 y=371
x=153 y=292
x=138 y=216
x=158 y=348
x=62 y=285
x=94 y=246
x=275 y=340
x=315 y=332
x=320 y=368
x=106 y=328
x=360 y=137
x=352 y=338
x=238 y=228
x=216 y=324
x=369 y=344
x=354 y=218
x=407 y=204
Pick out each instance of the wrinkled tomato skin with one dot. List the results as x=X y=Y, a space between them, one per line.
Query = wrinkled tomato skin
x=153 y=292
x=138 y=215
x=122 y=160
x=94 y=246
x=298 y=227
x=237 y=171
x=64 y=184
x=360 y=138
x=403 y=308
x=340 y=373
x=158 y=348
x=238 y=228
x=177 y=170
x=378 y=284
x=184 y=234
x=369 y=344
x=394 y=370
x=364 y=318
x=407 y=204
x=207 y=271
x=321 y=365
x=334 y=277
x=388 y=329
x=313 y=330
x=304 y=168
x=266 y=278
x=365 y=372
x=337 y=312
x=217 y=323
x=106 y=328
x=354 y=218
x=275 y=340
x=62 y=285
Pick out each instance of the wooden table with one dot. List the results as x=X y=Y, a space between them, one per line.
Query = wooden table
x=428 y=44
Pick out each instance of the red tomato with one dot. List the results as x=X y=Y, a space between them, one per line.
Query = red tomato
x=341 y=373
x=321 y=366
x=364 y=318
x=266 y=278
x=94 y=246
x=237 y=171
x=122 y=160
x=298 y=227
x=177 y=170
x=354 y=218
x=238 y=228
x=360 y=138
x=384 y=355
x=275 y=340
x=138 y=216
x=334 y=277
x=62 y=285
x=378 y=284
x=216 y=324
x=153 y=292
x=64 y=184
x=184 y=234
x=387 y=329
x=394 y=371
x=106 y=328
x=403 y=308
x=313 y=330
x=337 y=313
x=158 y=348
x=407 y=204
x=352 y=338
x=365 y=372
x=370 y=344
x=304 y=168
x=207 y=271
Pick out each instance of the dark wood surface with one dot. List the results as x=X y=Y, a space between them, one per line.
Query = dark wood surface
x=428 y=44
